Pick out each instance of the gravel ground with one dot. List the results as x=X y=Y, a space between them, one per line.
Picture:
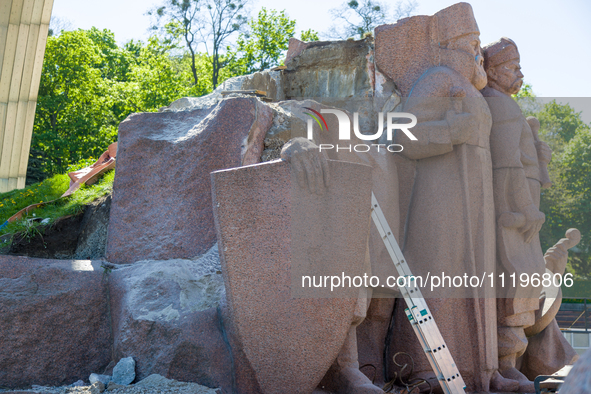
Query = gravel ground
x=153 y=384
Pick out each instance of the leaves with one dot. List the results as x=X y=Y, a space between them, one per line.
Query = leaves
x=568 y=202
x=201 y=22
x=88 y=86
x=357 y=19
x=264 y=44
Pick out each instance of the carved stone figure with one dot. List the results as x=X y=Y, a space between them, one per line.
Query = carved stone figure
x=530 y=342
x=309 y=165
x=547 y=349
x=516 y=174
x=450 y=223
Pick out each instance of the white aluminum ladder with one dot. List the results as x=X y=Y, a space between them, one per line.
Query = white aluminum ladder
x=418 y=312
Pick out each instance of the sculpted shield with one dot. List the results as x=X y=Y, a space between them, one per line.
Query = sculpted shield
x=272 y=235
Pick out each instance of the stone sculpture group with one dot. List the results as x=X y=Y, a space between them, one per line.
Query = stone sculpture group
x=206 y=245
x=476 y=160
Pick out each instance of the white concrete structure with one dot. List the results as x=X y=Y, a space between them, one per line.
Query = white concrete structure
x=23 y=34
x=579 y=339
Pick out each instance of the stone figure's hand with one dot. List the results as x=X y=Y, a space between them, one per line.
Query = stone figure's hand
x=556 y=258
x=309 y=164
x=544 y=152
x=533 y=222
x=461 y=125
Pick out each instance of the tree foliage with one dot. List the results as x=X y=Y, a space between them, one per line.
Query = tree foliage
x=180 y=19
x=209 y=23
x=309 y=35
x=88 y=86
x=358 y=18
x=568 y=202
x=73 y=118
x=264 y=42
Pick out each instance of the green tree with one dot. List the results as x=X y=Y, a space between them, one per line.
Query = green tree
x=116 y=62
x=264 y=44
x=309 y=35
x=568 y=202
x=180 y=18
x=73 y=118
x=202 y=22
x=223 y=18
x=575 y=185
x=358 y=18
x=158 y=78
x=89 y=85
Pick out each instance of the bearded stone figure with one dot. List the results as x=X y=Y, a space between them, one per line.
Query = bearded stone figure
x=450 y=220
x=519 y=172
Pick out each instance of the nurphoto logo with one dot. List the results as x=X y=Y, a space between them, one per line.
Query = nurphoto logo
x=344 y=129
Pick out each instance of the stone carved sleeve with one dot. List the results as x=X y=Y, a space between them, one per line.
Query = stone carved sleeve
x=512 y=192
x=433 y=132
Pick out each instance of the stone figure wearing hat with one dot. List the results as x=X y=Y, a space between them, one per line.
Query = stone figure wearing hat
x=450 y=222
x=519 y=173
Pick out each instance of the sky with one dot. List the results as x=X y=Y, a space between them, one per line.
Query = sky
x=553 y=37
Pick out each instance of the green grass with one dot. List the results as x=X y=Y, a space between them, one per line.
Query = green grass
x=48 y=190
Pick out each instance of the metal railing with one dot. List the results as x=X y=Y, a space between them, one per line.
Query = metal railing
x=574 y=316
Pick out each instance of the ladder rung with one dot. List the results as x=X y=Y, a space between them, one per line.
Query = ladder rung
x=418 y=313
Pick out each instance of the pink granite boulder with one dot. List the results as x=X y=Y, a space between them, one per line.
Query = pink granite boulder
x=161 y=205
x=168 y=315
x=578 y=380
x=54 y=321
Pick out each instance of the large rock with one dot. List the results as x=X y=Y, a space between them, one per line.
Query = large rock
x=578 y=380
x=161 y=206
x=339 y=74
x=93 y=230
x=168 y=316
x=124 y=371
x=340 y=69
x=54 y=321
x=270 y=82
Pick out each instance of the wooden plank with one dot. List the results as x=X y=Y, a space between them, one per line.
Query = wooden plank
x=30 y=53
x=17 y=141
x=8 y=62
x=15 y=12
x=6 y=148
x=254 y=92
x=27 y=137
x=38 y=64
x=19 y=62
